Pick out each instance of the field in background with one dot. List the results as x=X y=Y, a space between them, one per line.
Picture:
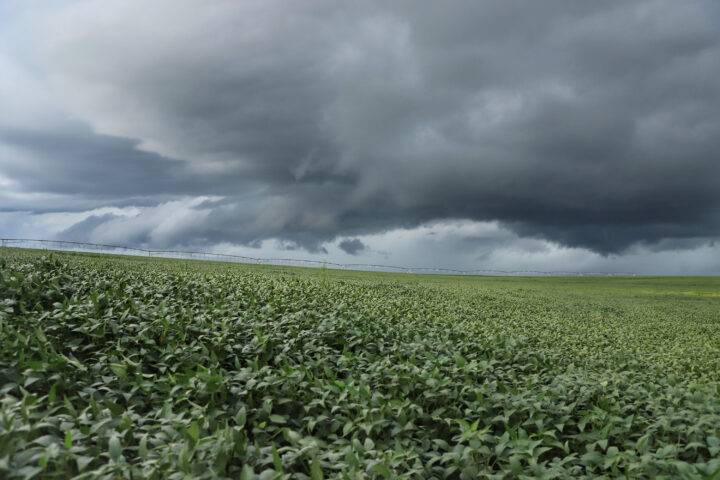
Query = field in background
x=93 y=248
x=156 y=367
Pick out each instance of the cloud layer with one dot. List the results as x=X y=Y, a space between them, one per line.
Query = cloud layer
x=589 y=125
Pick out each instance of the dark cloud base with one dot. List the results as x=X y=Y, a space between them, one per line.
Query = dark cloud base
x=352 y=246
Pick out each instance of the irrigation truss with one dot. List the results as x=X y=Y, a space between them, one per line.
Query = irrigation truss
x=68 y=246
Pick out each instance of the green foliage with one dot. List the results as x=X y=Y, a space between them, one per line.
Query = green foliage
x=138 y=368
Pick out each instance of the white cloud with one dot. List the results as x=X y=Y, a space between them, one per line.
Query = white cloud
x=161 y=226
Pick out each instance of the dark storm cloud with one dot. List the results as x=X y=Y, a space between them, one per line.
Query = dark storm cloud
x=593 y=124
x=83 y=163
x=352 y=246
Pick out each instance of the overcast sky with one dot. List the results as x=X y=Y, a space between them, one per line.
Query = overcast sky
x=553 y=135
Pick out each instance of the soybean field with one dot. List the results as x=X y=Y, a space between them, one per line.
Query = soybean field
x=118 y=367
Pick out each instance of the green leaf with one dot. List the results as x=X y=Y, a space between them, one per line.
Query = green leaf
x=68 y=404
x=315 y=470
x=291 y=436
x=642 y=443
x=515 y=465
x=119 y=369
x=142 y=447
x=114 y=408
x=247 y=472
x=185 y=459
x=52 y=394
x=28 y=472
x=241 y=417
x=383 y=470
x=40 y=335
x=591 y=458
x=277 y=419
x=276 y=459
x=193 y=432
x=68 y=440
x=115 y=449
x=82 y=461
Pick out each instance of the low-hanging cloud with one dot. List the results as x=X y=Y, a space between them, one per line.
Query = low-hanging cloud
x=590 y=124
x=352 y=246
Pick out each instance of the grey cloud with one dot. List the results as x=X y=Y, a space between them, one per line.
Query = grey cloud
x=296 y=243
x=352 y=246
x=175 y=223
x=79 y=162
x=82 y=230
x=590 y=124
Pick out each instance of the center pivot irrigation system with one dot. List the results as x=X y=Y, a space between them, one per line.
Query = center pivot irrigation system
x=67 y=246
